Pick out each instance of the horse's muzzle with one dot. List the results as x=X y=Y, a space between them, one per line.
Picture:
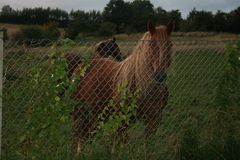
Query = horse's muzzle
x=160 y=77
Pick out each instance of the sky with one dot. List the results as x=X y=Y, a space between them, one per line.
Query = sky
x=183 y=5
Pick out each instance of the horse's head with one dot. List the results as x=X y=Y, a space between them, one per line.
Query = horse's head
x=73 y=60
x=108 y=48
x=160 y=49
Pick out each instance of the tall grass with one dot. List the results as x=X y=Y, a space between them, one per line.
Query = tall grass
x=201 y=120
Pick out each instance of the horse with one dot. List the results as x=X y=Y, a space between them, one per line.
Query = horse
x=145 y=70
x=104 y=48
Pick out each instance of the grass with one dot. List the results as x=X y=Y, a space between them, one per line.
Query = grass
x=14 y=28
x=192 y=125
x=192 y=85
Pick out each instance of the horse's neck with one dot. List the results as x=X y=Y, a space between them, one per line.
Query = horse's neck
x=136 y=69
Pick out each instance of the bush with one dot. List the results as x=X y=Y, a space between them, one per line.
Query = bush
x=32 y=32
x=51 y=30
x=72 y=30
x=44 y=129
x=107 y=29
x=228 y=91
x=48 y=31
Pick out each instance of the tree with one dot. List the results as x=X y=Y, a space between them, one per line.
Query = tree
x=234 y=20
x=142 y=10
x=200 y=21
x=6 y=10
x=78 y=23
x=8 y=15
x=118 y=12
x=160 y=16
x=107 y=29
x=220 y=22
x=128 y=17
x=176 y=16
x=82 y=21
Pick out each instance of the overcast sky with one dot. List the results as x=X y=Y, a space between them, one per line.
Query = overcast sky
x=183 y=5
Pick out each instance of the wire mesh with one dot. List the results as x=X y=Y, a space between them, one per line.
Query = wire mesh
x=122 y=104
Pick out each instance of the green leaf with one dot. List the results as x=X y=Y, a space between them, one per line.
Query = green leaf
x=57 y=98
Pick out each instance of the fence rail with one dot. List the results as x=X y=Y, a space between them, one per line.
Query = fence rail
x=58 y=99
x=1 y=82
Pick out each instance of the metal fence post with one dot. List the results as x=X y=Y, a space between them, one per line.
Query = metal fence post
x=1 y=86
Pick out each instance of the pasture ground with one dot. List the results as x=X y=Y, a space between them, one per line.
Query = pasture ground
x=193 y=126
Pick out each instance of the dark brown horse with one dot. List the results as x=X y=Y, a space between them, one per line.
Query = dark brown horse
x=145 y=69
x=104 y=48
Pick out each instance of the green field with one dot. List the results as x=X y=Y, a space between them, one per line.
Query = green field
x=193 y=125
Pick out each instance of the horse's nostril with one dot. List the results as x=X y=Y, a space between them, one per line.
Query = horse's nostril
x=160 y=77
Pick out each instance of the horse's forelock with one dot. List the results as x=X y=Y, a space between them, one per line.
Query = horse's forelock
x=162 y=47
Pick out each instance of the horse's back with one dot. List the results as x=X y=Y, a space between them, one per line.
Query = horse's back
x=96 y=87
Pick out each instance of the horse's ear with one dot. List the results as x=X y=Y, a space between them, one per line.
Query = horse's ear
x=151 y=27
x=101 y=46
x=114 y=39
x=170 y=27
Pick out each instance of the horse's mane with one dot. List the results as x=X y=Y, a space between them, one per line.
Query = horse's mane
x=137 y=69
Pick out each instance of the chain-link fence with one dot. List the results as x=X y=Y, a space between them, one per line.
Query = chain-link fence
x=108 y=100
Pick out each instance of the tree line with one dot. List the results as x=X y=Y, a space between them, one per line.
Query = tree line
x=119 y=16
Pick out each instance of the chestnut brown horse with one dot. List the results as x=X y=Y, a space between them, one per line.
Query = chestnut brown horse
x=145 y=69
x=104 y=48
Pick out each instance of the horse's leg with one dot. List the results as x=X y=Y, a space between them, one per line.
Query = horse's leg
x=122 y=133
x=93 y=122
x=79 y=130
x=155 y=107
x=151 y=125
x=85 y=122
